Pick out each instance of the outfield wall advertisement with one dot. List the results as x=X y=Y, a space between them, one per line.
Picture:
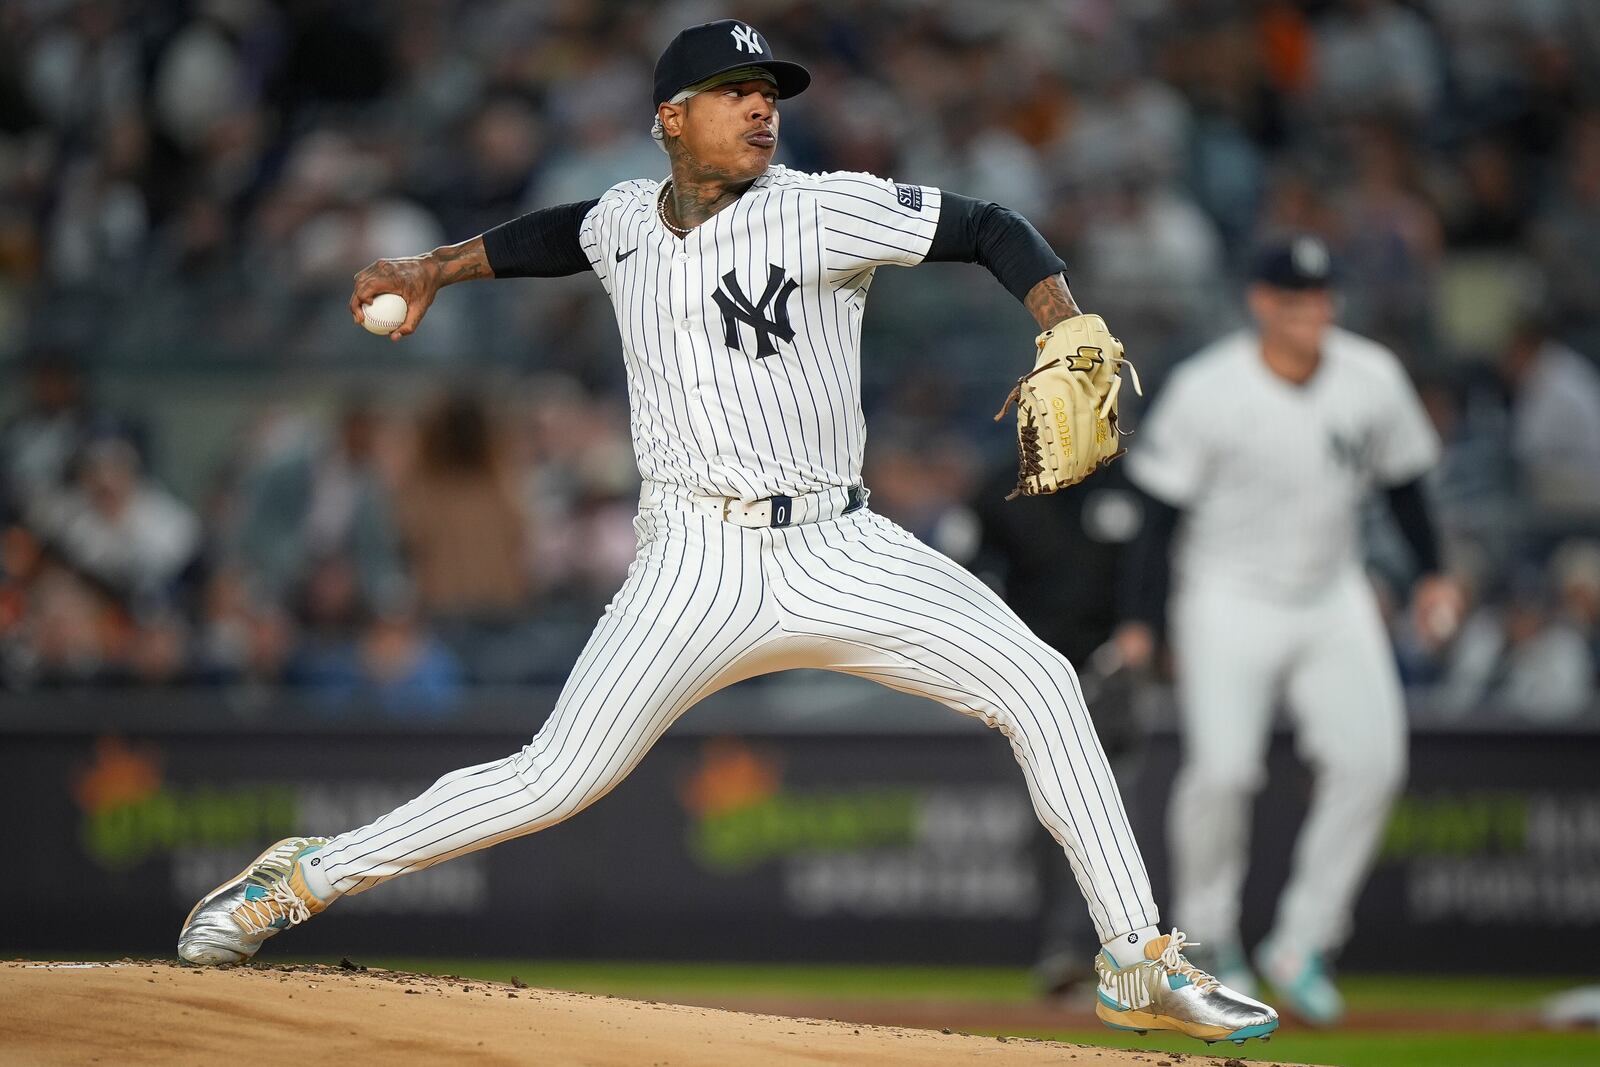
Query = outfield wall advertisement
x=897 y=847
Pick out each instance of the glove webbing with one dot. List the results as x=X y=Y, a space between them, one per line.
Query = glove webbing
x=1030 y=457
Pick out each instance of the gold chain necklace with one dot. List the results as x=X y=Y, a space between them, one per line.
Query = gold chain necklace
x=661 y=211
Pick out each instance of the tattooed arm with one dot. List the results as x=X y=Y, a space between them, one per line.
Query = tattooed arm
x=975 y=231
x=540 y=244
x=1051 y=302
x=418 y=279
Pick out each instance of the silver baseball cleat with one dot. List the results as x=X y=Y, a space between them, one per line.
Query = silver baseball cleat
x=1164 y=991
x=231 y=921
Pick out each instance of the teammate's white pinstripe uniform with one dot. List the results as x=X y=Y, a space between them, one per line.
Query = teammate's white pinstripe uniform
x=1270 y=600
x=708 y=602
x=1271 y=475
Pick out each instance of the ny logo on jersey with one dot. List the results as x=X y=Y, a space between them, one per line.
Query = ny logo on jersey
x=746 y=39
x=737 y=308
x=1351 y=451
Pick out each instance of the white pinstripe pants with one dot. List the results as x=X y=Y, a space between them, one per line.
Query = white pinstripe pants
x=706 y=604
x=1329 y=656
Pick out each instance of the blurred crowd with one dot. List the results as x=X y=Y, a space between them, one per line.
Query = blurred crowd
x=192 y=184
x=376 y=557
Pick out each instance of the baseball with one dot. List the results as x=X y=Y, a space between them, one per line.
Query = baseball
x=385 y=314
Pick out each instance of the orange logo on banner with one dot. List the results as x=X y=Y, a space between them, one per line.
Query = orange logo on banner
x=119 y=775
x=732 y=775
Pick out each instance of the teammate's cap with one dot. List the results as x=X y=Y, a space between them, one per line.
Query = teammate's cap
x=702 y=52
x=1297 y=262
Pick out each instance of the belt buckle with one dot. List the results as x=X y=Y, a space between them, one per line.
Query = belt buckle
x=745 y=516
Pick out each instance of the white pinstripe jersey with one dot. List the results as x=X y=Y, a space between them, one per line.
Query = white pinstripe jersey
x=742 y=340
x=1271 y=475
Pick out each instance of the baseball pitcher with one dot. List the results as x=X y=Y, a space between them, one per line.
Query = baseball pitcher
x=739 y=288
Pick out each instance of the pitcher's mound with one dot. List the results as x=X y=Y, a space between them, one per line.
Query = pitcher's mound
x=157 y=1012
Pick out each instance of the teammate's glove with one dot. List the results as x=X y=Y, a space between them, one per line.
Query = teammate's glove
x=1067 y=406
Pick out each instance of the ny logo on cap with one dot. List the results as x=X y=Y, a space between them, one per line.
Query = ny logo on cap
x=737 y=307
x=746 y=39
x=1310 y=257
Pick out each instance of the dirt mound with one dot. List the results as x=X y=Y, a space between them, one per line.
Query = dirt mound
x=158 y=1012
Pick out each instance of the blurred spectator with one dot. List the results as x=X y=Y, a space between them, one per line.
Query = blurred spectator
x=466 y=538
x=101 y=220
x=330 y=611
x=405 y=670
x=610 y=132
x=85 y=65
x=1151 y=259
x=307 y=499
x=39 y=444
x=158 y=650
x=240 y=639
x=1555 y=422
x=504 y=145
x=1132 y=124
x=116 y=527
x=1522 y=658
x=921 y=478
x=392 y=665
x=1473 y=485
x=1575 y=569
x=1376 y=57
x=1567 y=235
x=1491 y=205
x=1390 y=242
x=68 y=632
x=580 y=478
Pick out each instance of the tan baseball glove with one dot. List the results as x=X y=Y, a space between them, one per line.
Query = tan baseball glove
x=1067 y=406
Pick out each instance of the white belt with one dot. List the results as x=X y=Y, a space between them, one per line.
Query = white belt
x=773 y=511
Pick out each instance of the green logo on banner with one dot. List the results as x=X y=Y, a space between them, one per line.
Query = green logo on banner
x=131 y=814
x=741 y=816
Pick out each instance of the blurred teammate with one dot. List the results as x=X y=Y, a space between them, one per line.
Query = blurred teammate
x=1257 y=456
x=739 y=288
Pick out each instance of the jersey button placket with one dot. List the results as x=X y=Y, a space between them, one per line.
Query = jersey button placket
x=683 y=338
x=680 y=278
x=679 y=296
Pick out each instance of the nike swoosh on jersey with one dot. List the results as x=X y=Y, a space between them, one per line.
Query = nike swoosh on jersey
x=621 y=255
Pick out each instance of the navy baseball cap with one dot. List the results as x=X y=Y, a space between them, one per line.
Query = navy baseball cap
x=1300 y=261
x=702 y=52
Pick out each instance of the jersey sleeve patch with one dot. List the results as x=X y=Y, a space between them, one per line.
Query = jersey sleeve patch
x=873 y=221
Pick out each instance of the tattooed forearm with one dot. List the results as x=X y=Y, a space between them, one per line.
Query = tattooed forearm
x=464 y=262
x=1050 y=302
x=418 y=279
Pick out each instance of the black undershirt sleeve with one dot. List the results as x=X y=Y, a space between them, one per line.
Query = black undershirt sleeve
x=1410 y=508
x=540 y=244
x=976 y=231
x=1147 y=566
